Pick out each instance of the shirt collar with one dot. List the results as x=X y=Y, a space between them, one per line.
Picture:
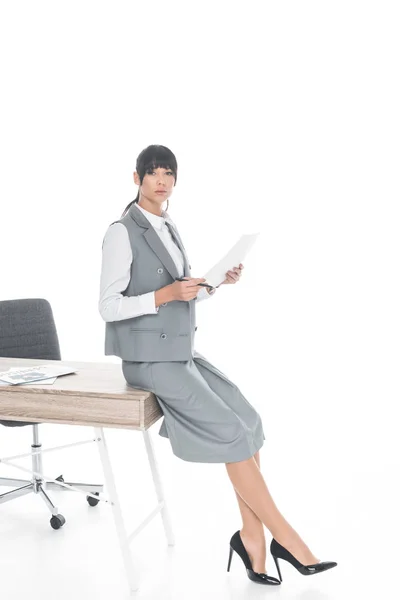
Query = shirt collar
x=157 y=221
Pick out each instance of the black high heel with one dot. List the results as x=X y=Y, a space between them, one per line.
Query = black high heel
x=279 y=551
x=237 y=545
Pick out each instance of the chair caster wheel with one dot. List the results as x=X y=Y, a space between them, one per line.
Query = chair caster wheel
x=57 y=521
x=93 y=501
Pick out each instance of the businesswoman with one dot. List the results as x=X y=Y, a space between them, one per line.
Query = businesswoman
x=148 y=300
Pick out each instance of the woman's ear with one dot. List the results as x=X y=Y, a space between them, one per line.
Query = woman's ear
x=136 y=178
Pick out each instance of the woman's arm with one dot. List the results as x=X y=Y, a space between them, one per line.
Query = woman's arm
x=115 y=276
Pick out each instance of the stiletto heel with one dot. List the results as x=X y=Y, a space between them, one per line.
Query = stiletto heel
x=277 y=567
x=230 y=557
x=279 y=551
x=236 y=545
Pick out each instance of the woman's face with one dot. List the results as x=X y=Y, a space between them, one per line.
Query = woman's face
x=154 y=181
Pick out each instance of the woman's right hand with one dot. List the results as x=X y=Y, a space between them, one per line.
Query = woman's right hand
x=187 y=289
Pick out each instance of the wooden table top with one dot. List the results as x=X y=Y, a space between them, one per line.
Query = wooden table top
x=97 y=394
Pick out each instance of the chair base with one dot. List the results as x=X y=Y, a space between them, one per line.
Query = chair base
x=40 y=487
x=37 y=485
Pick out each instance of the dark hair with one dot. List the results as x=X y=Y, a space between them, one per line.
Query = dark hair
x=150 y=158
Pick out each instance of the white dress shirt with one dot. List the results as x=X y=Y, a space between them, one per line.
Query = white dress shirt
x=116 y=271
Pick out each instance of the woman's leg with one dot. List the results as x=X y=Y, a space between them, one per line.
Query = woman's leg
x=252 y=532
x=249 y=484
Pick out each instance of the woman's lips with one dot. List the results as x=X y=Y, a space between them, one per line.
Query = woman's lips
x=161 y=192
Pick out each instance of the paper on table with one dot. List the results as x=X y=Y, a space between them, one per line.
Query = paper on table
x=233 y=258
x=15 y=375
x=39 y=381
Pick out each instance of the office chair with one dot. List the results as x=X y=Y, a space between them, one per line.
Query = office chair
x=27 y=330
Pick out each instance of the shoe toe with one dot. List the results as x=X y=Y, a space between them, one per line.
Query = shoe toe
x=321 y=566
x=264 y=578
x=329 y=564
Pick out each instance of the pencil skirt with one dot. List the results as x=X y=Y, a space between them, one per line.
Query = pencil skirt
x=206 y=417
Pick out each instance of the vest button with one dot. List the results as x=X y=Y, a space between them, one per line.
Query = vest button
x=160 y=270
x=164 y=304
x=163 y=335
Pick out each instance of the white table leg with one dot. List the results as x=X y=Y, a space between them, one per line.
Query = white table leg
x=159 y=487
x=116 y=508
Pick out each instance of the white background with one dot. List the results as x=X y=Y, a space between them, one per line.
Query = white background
x=284 y=119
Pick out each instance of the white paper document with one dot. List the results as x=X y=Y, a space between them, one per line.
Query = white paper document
x=233 y=258
x=28 y=375
x=41 y=381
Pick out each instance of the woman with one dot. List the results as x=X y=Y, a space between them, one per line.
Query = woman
x=150 y=323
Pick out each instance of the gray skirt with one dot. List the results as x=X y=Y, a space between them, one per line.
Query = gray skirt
x=206 y=417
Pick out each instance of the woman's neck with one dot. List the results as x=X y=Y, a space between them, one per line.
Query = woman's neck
x=154 y=209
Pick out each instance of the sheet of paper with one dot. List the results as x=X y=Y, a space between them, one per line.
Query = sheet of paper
x=24 y=375
x=233 y=258
x=41 y=382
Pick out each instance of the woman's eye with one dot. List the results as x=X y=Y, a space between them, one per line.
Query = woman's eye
x=168 y=172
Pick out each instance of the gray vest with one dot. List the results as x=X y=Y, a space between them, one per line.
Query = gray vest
x=169 y=334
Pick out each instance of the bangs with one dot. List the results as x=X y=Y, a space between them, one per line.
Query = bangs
x=154 y=157
x=156 y=164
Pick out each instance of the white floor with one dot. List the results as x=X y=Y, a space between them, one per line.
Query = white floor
x=350 y=518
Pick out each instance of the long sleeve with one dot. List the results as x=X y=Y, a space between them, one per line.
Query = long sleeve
x=115 y=276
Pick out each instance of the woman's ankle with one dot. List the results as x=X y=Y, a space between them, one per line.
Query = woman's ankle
x=253 y=533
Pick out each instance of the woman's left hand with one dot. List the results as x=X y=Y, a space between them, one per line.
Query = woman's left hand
x=234 y=275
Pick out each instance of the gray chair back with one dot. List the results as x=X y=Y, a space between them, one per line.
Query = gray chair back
x=27 y=330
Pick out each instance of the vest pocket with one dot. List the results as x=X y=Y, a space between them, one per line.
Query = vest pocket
x=146 y=330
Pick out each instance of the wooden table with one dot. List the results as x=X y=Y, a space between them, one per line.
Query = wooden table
x=97 y=395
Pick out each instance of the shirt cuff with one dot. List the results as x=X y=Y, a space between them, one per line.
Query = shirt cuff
x=148 y=303
x=203 y=294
